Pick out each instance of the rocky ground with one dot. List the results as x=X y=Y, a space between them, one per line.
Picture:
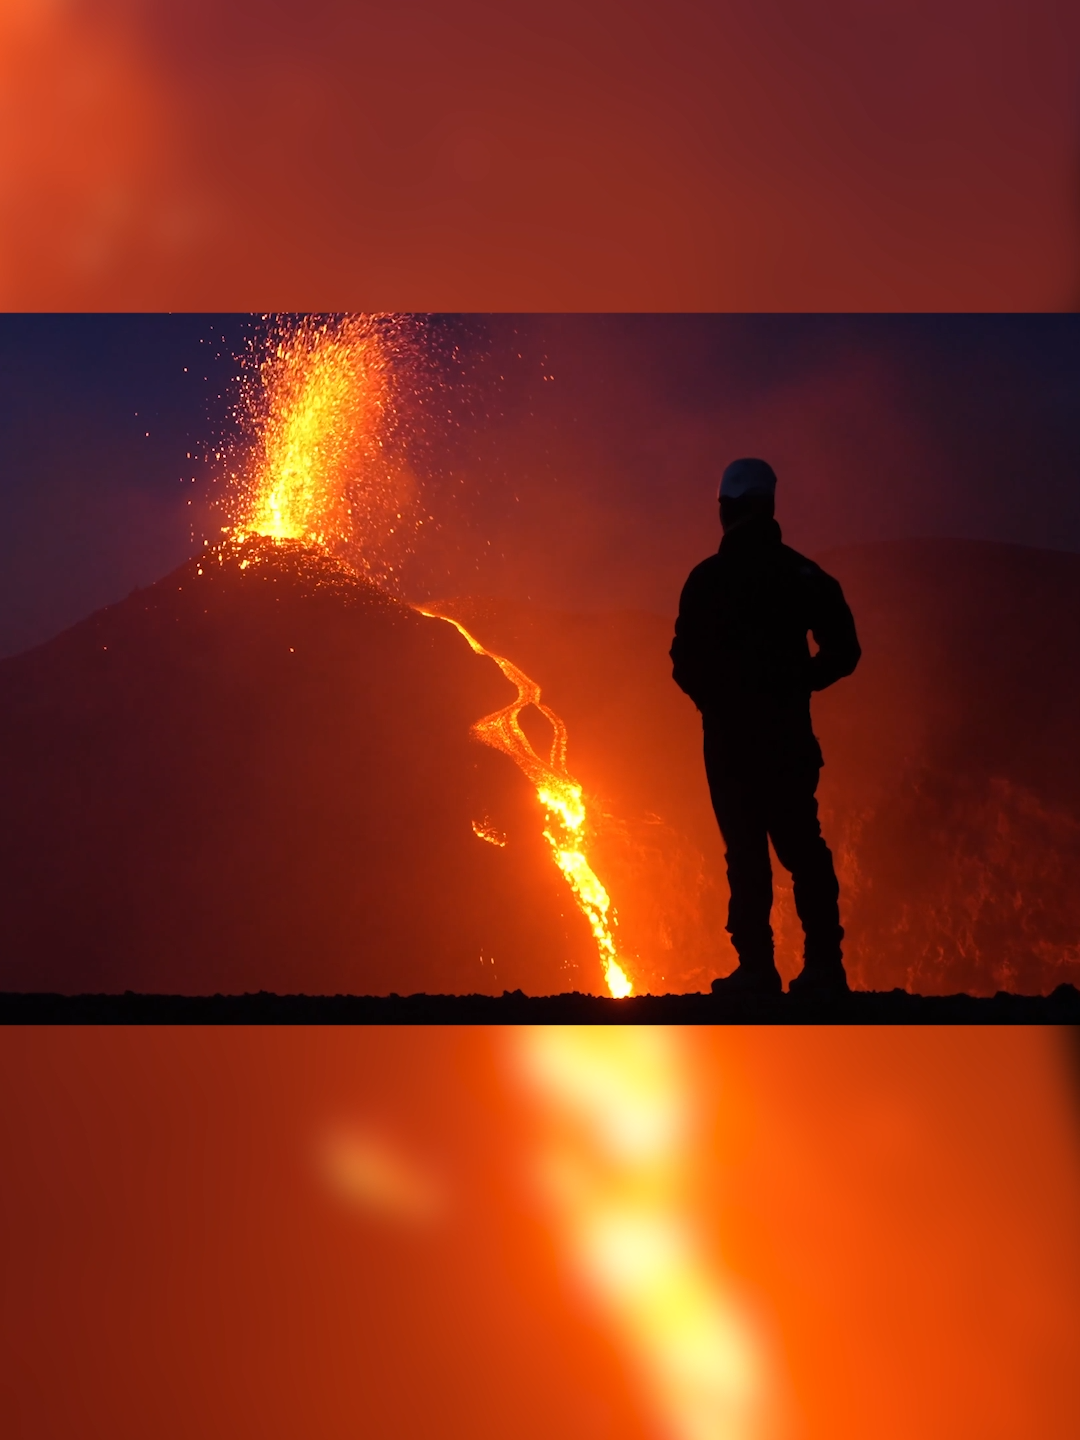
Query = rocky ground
x=894 y=1007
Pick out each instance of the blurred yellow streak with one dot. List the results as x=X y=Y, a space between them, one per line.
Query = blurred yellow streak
x=615 y=1167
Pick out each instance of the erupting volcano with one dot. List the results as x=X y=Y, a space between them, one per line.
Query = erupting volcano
x=320 y=410
x=320 y=806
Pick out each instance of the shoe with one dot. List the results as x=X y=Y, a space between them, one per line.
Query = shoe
x=813 y=982
x=745 y=981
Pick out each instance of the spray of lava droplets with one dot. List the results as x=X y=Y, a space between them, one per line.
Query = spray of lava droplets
x=320 y=406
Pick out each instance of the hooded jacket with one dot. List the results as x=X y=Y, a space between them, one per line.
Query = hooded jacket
x=740 y=649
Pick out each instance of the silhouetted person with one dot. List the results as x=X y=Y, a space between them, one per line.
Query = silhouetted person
x=741 y=653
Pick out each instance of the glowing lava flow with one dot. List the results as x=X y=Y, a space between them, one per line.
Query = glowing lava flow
x=558 y=792
x=617 y=1158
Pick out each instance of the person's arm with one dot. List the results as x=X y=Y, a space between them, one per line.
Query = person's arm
x=688 y=645
x=833 y=628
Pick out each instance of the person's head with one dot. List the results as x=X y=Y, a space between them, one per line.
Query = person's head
x=747 y=492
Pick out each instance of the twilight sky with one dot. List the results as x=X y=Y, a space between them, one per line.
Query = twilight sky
x=571 y=460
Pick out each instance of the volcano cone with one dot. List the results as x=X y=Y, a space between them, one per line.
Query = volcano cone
x=258 y=774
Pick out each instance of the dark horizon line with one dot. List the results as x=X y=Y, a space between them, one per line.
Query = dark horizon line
x=893 y=1007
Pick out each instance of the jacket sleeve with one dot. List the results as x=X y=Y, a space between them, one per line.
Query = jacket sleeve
x=688 y=646
x=833 y=628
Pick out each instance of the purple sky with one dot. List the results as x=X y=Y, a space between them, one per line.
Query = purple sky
x=592 y=488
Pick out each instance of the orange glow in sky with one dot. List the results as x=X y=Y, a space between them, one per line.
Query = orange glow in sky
x=731 y=156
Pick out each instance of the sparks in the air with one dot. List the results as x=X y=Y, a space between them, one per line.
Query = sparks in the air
x=319 y=405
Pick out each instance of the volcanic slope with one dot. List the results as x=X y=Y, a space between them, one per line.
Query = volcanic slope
x=263 y=779
x=952 y=779
x=950 y=794
x=257 y=774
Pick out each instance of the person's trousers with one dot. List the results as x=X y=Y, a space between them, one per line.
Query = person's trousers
x=757 y=800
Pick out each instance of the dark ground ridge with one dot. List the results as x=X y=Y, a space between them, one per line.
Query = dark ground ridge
x=894 y=1007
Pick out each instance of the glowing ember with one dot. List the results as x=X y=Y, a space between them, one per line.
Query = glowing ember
x=484 y=830
x=616 y=1169
x=561 y=796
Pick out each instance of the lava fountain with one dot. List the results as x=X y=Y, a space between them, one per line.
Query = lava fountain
x=319 y=407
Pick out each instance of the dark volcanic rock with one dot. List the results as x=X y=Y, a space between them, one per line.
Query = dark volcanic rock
x=260 y=776
x=894 y=1007
x=952 y=785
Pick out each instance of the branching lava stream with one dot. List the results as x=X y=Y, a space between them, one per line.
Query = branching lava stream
x=558 y=792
